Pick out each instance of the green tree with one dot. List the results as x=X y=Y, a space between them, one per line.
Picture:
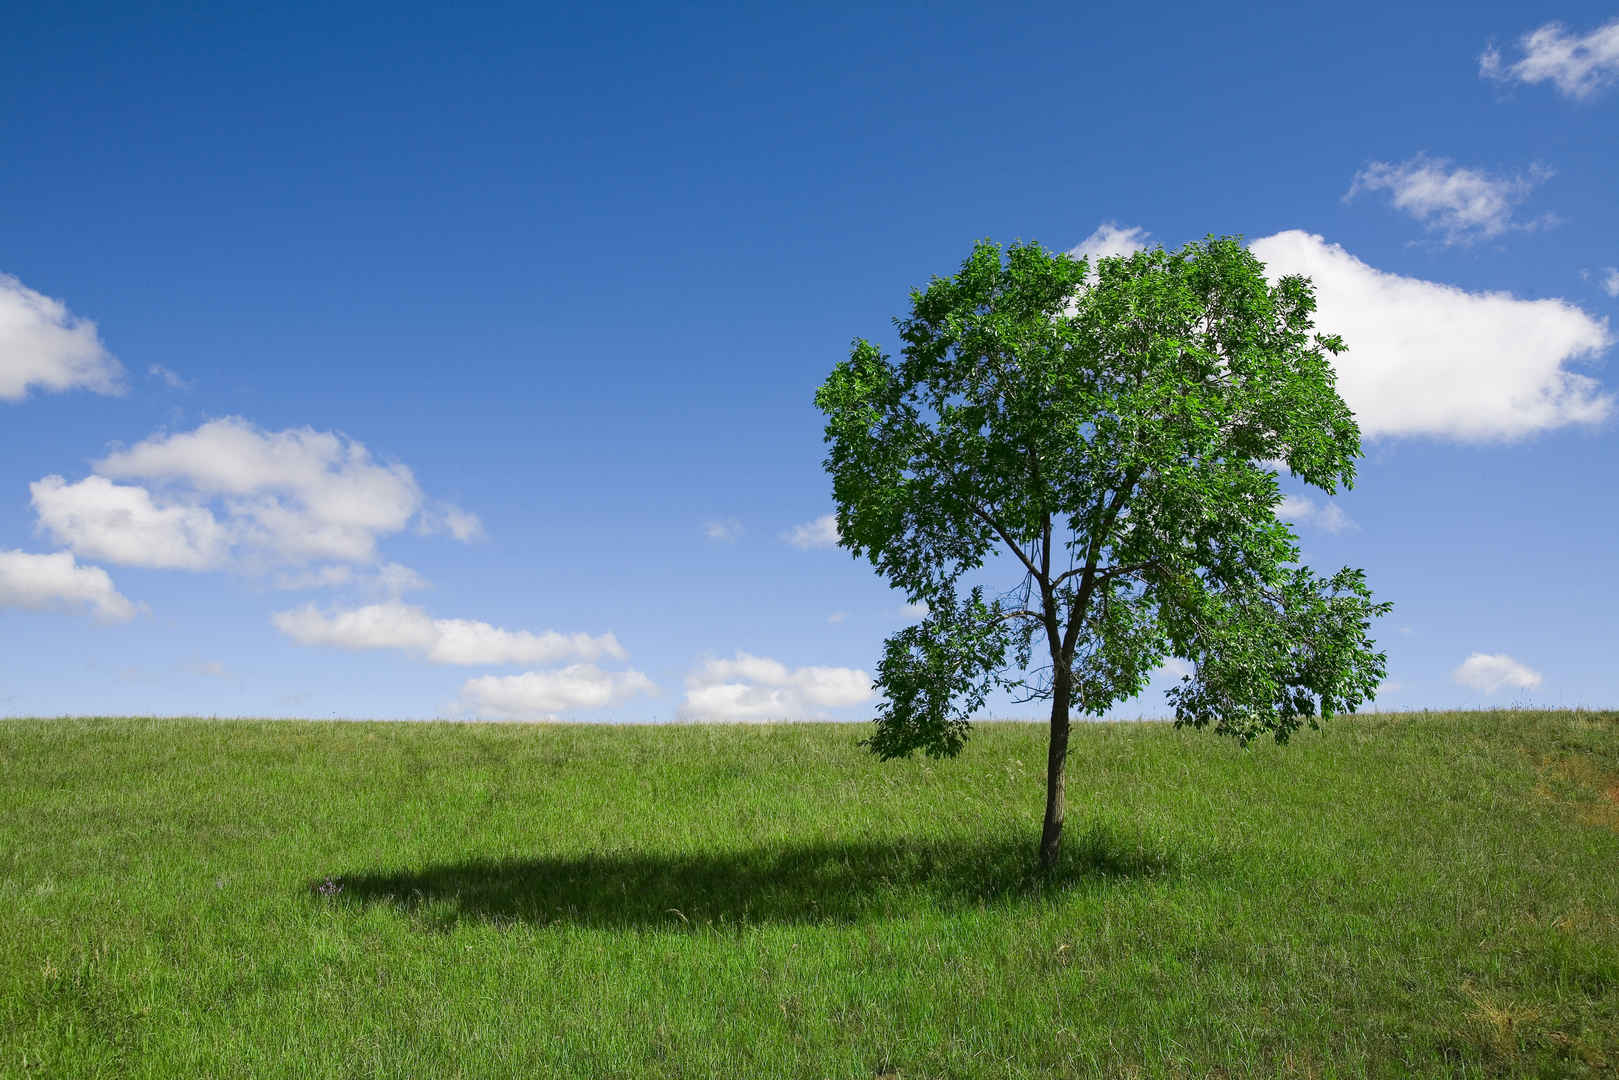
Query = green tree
x=1114 y=439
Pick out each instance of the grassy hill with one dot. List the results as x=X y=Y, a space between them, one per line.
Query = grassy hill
x=1405 y=894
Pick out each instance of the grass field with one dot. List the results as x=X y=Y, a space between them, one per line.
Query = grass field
x=1402 y=894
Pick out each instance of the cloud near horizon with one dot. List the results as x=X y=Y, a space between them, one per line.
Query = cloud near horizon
x=761 y=690
x=44 y=345
x=1490 y=672
x=231 y=495
x=411 y=629
x=541 y=696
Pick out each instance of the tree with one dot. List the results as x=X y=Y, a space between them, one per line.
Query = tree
x=1114 y=438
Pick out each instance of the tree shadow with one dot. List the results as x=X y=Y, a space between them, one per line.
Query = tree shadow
x=838 y=882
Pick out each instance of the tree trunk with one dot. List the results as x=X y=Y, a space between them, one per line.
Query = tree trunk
x=1056 y=768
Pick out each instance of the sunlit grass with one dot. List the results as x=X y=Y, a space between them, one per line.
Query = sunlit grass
x=1403 y=894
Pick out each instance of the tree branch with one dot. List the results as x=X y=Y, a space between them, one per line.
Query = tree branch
x=1087 y=584
x=1003 y=616
x=999 y=531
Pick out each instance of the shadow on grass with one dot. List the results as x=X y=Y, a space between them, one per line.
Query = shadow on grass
x=828 y=882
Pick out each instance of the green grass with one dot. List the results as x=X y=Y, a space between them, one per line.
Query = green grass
x=1405 y=894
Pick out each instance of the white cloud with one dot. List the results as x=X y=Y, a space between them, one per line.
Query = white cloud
x=1489 y=672
x=391 y=579
x=1463 y=203
x=1610 y=282
x=726 y=530
x=56 y=582
x=918 y=610
x=229 y=493
x=1175 y=668
x=1424 y=358
x=124 y=525
x=395 y=579
x=443 y=641
x=541 y=695
x=446 y=517
x=1303 y=511
x=756 y=688
x=169 y=376
x=1109 y=239
x=320 y=577
x=44 y=345
x=1578 y=66
x=820 y=533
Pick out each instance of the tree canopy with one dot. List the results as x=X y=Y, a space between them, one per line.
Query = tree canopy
x=1120 y=439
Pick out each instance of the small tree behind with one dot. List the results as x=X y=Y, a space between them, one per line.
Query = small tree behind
x=1114 y=439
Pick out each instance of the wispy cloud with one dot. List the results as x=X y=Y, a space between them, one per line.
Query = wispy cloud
x=390 y=579
x=1577 y=66
x=44 y=345
x=1464 y=204
x=725 y=530
x=1323 y=515
x=820 y=533
x=169 y=377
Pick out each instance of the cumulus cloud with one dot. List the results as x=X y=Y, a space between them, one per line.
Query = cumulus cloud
x=443 y=641
x=917 y=610
x=125 y=525
x=1610 y=280
x=1425 y=358
x=1489 y=672
x=57 y=583
x=1109 y=239
x=820 y=533
x=1578 y=66
x=725 y=530
x=1303 y=511
x=541 y=695
x=44 y=345
x=1462 y=203
x=758 y=689
x=230 y=493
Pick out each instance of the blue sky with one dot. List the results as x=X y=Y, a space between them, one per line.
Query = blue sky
x=398 y=362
